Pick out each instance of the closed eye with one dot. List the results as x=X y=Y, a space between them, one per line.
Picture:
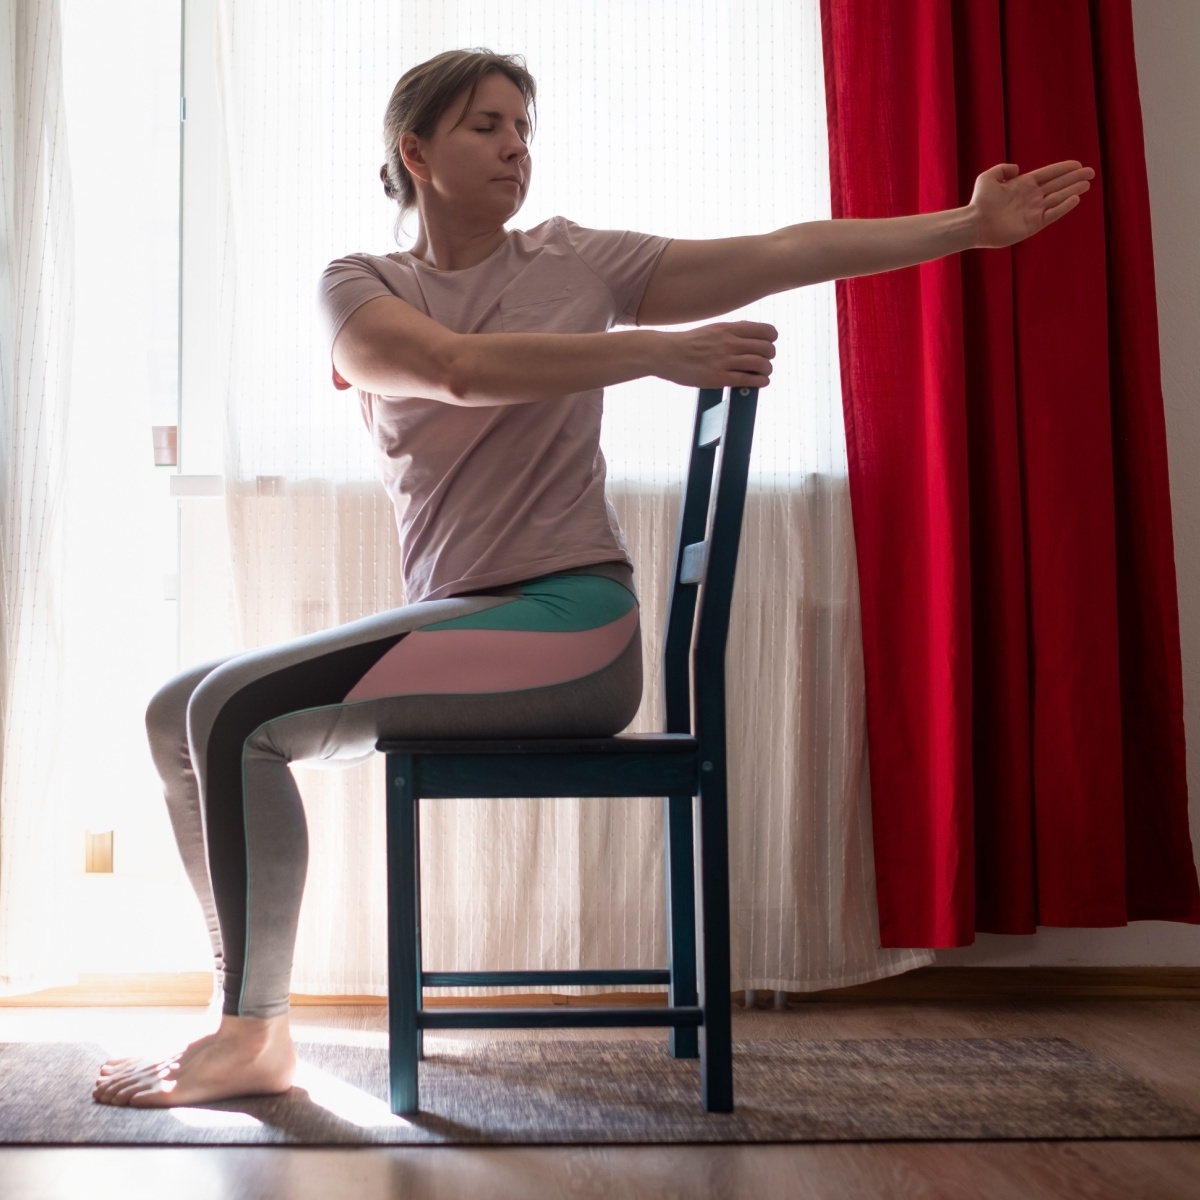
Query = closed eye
x=491 y=129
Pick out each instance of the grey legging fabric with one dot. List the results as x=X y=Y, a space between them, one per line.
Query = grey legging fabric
x=223 y=733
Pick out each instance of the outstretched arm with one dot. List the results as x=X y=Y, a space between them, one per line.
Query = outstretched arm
x=695 y=280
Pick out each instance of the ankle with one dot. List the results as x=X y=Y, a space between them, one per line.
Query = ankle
x=261 y=1028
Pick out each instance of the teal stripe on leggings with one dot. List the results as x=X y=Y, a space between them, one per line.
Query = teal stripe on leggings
x=556 y=604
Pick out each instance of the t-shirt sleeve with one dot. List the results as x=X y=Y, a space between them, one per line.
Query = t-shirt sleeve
x=345 y=285
x=623 y=260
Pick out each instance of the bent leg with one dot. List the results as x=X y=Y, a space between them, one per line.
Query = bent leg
x=249 y=1056
x=468 y=666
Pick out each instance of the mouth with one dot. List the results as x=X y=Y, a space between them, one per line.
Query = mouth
x=507 y=179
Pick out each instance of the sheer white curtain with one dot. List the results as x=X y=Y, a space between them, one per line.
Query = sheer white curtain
x=702 y=118
x=36 y=318
x=89 y=171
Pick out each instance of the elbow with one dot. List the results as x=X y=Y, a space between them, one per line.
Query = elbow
x=472 y=377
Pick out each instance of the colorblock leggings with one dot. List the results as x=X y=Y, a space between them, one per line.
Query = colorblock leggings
x=558 y=656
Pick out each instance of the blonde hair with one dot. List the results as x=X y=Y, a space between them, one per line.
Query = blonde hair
x=420 y=97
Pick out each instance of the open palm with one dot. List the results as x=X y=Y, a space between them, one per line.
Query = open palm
x=1012 y=207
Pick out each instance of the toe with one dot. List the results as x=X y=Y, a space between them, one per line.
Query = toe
x=124 y=1094
x=118 y=1066
x=161 y=1095
x=118 y=1090
x=131 y=1066
x=104 y=1091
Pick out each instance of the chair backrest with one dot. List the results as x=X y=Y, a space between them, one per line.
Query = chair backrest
x=706 y=553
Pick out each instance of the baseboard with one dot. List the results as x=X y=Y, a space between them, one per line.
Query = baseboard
x=1022 y=983
x=924 y=983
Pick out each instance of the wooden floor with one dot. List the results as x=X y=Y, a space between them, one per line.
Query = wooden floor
x=1158 y=1041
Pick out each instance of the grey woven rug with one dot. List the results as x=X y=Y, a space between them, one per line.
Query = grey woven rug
x=560 y=1091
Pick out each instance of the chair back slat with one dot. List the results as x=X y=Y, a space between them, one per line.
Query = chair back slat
x=706 y=552
x=681 y=609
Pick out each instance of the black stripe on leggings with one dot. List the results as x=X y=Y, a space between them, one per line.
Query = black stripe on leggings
x=311 y=684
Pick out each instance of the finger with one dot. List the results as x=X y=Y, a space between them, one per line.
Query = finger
x=1084 y=173
x=752 y=366
x=763 y=329
x=1059 y=210
x=1054 y=170
x=1060 y=194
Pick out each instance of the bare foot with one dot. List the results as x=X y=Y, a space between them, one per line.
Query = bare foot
x=120 y=1065
x=245 y=1057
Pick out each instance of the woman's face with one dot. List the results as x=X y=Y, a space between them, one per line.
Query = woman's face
x=465 y=160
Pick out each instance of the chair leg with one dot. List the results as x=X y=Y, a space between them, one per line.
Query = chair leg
x=716 y=1033
x=681 y=918
x=403 y=963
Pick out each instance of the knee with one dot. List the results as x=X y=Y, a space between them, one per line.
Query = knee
x=166 y=714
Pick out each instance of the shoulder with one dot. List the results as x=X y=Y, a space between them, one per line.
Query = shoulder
x=359 y=264
x=605 y=250
x=622 y=259
x=562 y=231
x=349 y=280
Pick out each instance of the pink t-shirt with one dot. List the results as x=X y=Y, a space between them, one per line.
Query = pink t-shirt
x=491 y=495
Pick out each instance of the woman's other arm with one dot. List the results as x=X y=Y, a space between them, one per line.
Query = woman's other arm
x=698 y=279
x=389 y=348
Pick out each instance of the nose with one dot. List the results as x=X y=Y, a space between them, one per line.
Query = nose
x=518 y=166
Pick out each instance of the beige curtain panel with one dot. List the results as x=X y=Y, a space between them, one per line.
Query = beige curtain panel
x=693 y=143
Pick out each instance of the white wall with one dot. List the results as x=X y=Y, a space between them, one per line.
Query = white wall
x=1166 y=40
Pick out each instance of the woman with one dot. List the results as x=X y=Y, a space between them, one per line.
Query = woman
x=480 y=358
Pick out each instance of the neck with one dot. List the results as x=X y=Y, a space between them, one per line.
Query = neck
x=450 y=252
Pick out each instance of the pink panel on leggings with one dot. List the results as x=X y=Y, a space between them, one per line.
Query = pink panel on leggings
x=434 y=662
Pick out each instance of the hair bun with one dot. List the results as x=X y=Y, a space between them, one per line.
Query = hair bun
x=388 y=189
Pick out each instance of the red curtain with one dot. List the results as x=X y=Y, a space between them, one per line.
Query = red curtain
x=1008 y=479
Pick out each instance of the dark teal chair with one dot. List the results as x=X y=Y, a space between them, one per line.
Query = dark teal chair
x=685 y=765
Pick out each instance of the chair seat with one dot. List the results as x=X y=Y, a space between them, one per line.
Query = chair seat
x=635 y=764
x=623 y=743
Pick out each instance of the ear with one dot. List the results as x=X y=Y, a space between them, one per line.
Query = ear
x=410 y=155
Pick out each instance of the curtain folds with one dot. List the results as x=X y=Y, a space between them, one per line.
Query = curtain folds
x=1008 y=475
x=38 y=855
